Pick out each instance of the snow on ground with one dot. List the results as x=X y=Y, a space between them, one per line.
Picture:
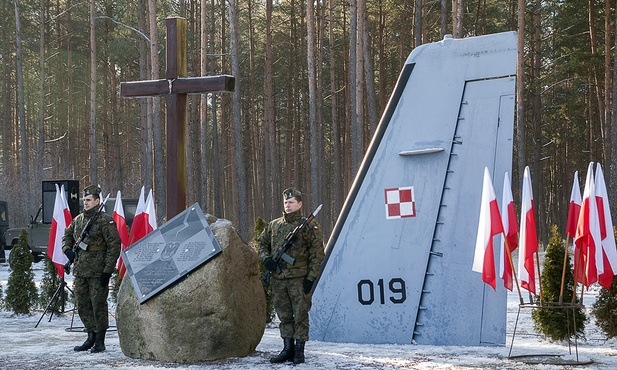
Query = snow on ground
x=50 y=346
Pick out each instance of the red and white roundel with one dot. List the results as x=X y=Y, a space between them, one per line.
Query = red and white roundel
x=400 y=202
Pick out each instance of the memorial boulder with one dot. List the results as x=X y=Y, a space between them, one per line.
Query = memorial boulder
x=216 y=311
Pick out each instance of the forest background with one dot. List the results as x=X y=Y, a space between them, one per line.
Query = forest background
x=312 y=79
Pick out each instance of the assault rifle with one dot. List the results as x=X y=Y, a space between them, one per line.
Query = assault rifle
x=85 y=232
x=281 y=253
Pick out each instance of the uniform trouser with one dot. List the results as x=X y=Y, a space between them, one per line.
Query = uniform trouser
x=292 y=307
x=92 y=303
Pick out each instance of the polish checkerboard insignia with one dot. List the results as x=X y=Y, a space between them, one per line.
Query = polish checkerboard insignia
x=400 y=202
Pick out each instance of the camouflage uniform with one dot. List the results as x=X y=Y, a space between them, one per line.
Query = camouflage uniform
x=100 y=257
x=291 y=304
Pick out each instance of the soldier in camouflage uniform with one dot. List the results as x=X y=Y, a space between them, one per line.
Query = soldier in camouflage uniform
x=93 y=267
x=291 y=289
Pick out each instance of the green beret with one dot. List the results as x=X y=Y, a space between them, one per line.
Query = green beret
x=92 y=190
x=291 y=193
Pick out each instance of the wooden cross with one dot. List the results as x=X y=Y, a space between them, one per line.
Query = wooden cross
x=175 y=87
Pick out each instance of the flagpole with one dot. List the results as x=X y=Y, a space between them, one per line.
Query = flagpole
x=539 y=275
x=563 y=272
x=575 y=272
x=584 y=276
x=518 y=288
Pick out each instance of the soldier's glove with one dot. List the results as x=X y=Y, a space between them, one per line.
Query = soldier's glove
x=270 y=264
x=105 y=276
x=70 y=255
x=307 y=285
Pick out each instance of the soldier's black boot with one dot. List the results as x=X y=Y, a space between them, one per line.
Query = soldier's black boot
x=99 y=343
x=299 y=352
x=287 y=354
x=88 y=343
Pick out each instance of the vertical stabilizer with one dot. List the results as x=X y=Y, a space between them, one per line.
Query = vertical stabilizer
x=398 y=263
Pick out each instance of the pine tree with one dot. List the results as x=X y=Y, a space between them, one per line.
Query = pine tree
x=2 y=305
x=21 y=292
x=556 y=323
x=260 y=225
x=605 y=308
x=49 y=285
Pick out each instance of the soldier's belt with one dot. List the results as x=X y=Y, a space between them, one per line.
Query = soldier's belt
x=298 y=265
x=93 y=248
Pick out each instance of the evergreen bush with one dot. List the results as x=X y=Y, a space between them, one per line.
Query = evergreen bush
x=260 y=225
x=21 y=294
x=50 y=283
x=556 y=323
x=605 y=308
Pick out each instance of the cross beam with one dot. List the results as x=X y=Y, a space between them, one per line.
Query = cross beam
x=175 y=87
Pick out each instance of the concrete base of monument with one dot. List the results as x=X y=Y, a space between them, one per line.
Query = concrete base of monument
x=216 y=312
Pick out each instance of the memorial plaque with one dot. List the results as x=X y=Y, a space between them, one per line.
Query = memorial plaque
x=170 y=252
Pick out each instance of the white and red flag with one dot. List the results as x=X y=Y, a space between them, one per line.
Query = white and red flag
x=609 y=250
x=574 y=210
x=61 y=220
x=137 y=220
x=145 y=218
x=151 y=214
x=510 y=227
x=120 y=220
x=587 y=241
x=490 y=225
x=528 y=237
x=140 y=212
x=575 y=207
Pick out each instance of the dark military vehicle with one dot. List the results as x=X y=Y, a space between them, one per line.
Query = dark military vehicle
x=39 y=226
x=4 y=225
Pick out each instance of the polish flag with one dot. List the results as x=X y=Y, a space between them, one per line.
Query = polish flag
x=145 y=218
x=151 y=212
x=510 y=227
x=140 y=212
x=528 y=238
x=120 y=220
x=61 y=220
x=489 y=226
x=588 y=238
x=573 y=212
x=575 y=206
x=137 y=220
x=609 y=250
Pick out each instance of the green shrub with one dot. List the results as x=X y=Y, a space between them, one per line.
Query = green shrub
x=556 y=323
x=49 y=285
x=605 y=309
x=21 y=292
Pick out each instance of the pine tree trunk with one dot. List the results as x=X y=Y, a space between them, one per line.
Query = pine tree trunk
x=158 y=128
x=237 y=118
x=24 y=162
x=271 y=163
x=40 y=151
x=93 y=158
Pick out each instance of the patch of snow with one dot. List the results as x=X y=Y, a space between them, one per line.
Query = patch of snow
x=50 y=346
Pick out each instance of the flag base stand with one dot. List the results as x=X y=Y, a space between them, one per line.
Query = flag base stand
x=551 y=359
x=80 y=329
x=59 y=294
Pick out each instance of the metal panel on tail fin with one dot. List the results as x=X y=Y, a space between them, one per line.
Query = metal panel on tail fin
x=398 y=263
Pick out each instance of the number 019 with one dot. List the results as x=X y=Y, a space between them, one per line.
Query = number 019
x=366 y=291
